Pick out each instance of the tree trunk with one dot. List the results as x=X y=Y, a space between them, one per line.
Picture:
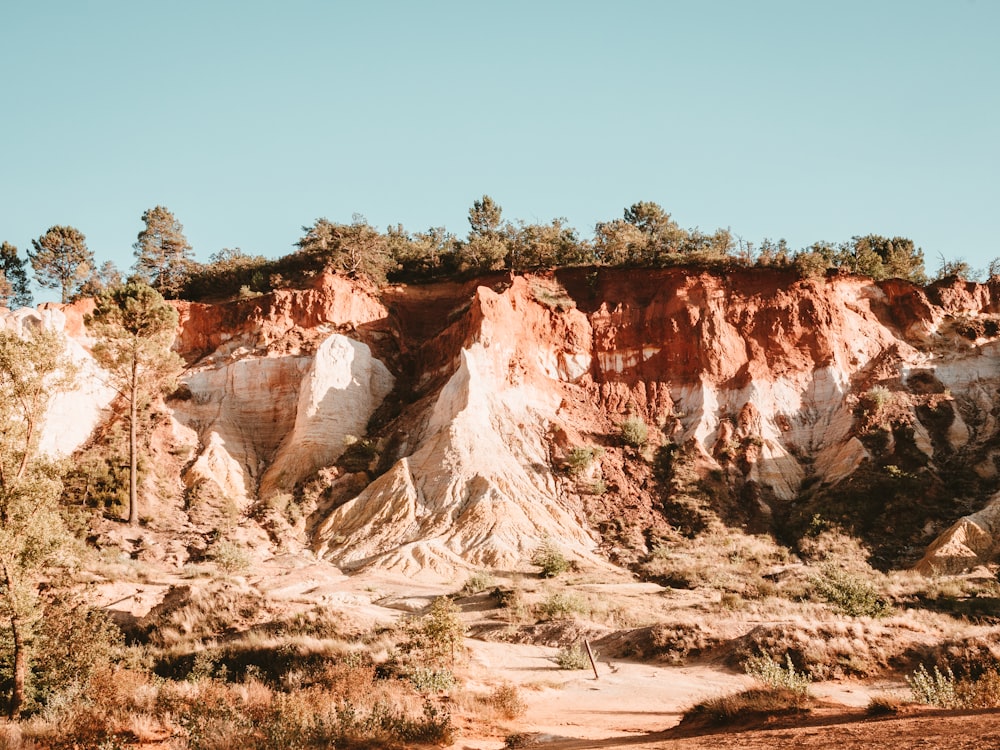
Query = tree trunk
x=133 y=453
x=20 y=668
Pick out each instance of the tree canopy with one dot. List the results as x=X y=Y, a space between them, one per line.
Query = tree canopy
x=163 y=254
x=32 y=369
x=134 y=329
x=17 y=291
x=61 y=260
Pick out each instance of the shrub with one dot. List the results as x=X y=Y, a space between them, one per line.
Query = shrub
x=550 y=559
x=427 y=680
x=883 y=705
x=756 y=701
x=580 y=458
x=436 y=639
x=634 y=432
x=573 y=657
x=230 y=556
x=479 y=582
x=560 y=606
x=850 y=593
x=948 y=691
x=936 y=689
x=507 y=701
x=767 y=671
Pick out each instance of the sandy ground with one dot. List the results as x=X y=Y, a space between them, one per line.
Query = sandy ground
x=630 y=704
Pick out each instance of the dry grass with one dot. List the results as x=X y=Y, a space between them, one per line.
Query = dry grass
x=747 y=705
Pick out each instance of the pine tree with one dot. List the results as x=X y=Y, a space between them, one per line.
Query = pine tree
x=15 y=272
x=61 y=260
x=163 y=255
x=134 y=328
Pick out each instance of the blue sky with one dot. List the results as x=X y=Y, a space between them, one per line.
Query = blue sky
x=803 y=120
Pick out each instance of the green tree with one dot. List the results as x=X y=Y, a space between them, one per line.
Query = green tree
x=534 y=245
x=163 y=254
x=61 y=260
x=357 y=249
x=134 y=329
x=883 y=257
x=32 y=533
x=103 y=278
x=646 y=235
x=15 y=272
x=485 y=249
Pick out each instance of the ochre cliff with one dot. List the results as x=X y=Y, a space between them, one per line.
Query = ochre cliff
x=833 y=396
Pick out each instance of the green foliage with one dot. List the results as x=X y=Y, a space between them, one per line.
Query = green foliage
x=849 y=593
x=947 y=690
x=937 y=689
x=14 y=272
x=580 y=458
x=573 y=657
x=72 y=643
x=230 y=556
x=486 y=247
x=357 y=249
x=437 y=638
x=134 y=329
x=561 y=605
x=479 y=582
x=883 y=258
x=230 y=269
x=772 y=674
x=32 y=533
x=550 y=559
x=430 y=680
x=61 y=260
x=634 y=432
x=163 y=255
x=811 y=264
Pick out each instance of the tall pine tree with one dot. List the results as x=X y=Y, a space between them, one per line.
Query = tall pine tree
x=163 y=255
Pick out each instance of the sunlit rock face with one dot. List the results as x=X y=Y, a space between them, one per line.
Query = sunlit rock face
x=459 y=387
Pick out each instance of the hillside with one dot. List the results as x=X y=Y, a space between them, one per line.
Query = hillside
x=720 y=436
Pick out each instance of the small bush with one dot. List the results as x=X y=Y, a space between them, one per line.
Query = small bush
x=634 y=432
x=573 y=657
x=767 y=671
x=883 y=705
x=561 y=606
x=550 y=559
x=479 y=582
x=580 y=458
x=768 y=701
x=507 y=701
x=937 y=689
x=437 y=638
x=948 y=691
x=427 y=680
x=850 y=593
x=230 y=556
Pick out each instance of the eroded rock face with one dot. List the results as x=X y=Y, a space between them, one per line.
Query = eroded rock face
x=972 y=541
x=72 y=415
x=487 y=371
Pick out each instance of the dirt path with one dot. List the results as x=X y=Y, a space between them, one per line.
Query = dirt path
x=629 y=703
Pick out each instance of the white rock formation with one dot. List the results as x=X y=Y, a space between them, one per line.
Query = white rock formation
x=265 y=423
x=478 y=491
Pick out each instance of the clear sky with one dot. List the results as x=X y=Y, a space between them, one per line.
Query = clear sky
x=803 y=120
